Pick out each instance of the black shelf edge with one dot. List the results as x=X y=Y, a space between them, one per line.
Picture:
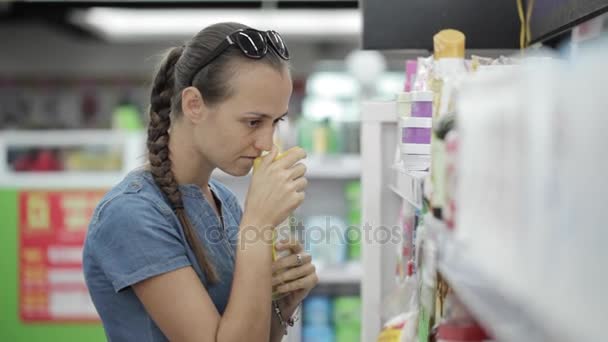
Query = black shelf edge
x=552 y=20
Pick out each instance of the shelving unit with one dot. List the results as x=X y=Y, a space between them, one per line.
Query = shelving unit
x=383 y=187
x=380 y=207
x=132 y=146
x=482 y=294
x=523 y=257
x=350 y=273
x=408 y=185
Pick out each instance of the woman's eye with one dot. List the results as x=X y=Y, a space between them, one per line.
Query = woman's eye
x=276 y=122
x=253 y=123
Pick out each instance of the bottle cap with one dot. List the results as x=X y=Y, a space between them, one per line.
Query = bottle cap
x=449 y=44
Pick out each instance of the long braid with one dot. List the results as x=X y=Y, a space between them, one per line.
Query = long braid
x=158 y=147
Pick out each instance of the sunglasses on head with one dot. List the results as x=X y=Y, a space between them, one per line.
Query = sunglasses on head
x=252 y=43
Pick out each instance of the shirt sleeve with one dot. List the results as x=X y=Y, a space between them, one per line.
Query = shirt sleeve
x=134 y=240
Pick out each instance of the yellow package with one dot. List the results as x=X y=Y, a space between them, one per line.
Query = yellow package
x=281 y=227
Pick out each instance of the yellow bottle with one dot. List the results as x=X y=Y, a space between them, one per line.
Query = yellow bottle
x=282 y=230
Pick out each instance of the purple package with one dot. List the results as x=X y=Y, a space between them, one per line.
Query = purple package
x=410 y=73
x=422 y=104
x=415 y=135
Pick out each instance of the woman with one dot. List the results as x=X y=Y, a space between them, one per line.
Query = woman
x=169 y=253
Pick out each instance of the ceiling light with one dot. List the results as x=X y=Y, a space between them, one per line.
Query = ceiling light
x=120 y=24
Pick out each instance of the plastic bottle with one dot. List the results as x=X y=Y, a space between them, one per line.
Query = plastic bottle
x=449 y=52
x=282 y=231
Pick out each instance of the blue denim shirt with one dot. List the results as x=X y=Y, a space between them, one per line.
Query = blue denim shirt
x=134 y=235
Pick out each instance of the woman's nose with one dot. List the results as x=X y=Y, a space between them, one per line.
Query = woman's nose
x=264 y=140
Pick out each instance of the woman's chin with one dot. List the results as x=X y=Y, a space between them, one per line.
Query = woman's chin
x=236 y=171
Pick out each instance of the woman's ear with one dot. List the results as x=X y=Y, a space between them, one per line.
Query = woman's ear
x=193 y=106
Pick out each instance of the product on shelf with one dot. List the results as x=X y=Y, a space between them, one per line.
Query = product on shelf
x=405 y=249
x=451 y=147
x=349 y=136
x=35 y=160
x=326 y=240
x=326 y=137
x=400 y=328
x=89 y=107
x=47 y=103
x=93 y=158
x=424 y=72
x=404 y=104
x=449 y=47
x=126 y=116
x=400 y=305
x=331 y=319
x=348 y=333
x=410 y=74
x=415 y=110
x=347 y=310
x=317 y=311
x=422 y=104
x=415 y=135
x=458 y=324
x=347 y=318
x=323 y=333
x=353 y=234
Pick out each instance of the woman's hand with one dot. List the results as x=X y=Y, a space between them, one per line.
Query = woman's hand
x=276 y=188
x=294 y=275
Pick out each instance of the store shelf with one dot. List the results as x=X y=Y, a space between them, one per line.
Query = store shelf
x=59 y=138
x=60 y=180
x=347 y=166
x=131 y=145
x=507 y=317
x=349 y=273
x=408 y=185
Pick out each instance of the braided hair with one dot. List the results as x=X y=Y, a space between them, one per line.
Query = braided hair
x=174 y=74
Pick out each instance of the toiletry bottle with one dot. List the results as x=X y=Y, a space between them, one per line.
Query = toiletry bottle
x=282 y=231
x=450 y=68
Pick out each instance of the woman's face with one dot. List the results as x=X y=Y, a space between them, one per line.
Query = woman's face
x=237 y=130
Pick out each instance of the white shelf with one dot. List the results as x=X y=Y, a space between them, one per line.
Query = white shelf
x=61 y=180
x=132 y=145
x=343 y=166
x=349 y=273
x=347 y=166
x=408 y=185
x=59 y=138
x=504 y=315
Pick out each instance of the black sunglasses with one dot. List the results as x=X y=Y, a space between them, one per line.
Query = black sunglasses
x=253 y=44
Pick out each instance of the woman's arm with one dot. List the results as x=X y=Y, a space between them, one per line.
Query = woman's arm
x=182 y=308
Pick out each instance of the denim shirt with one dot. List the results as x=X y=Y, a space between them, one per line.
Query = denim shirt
x=134 y=235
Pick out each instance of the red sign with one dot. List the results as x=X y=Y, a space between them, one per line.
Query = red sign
x=53 y=226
